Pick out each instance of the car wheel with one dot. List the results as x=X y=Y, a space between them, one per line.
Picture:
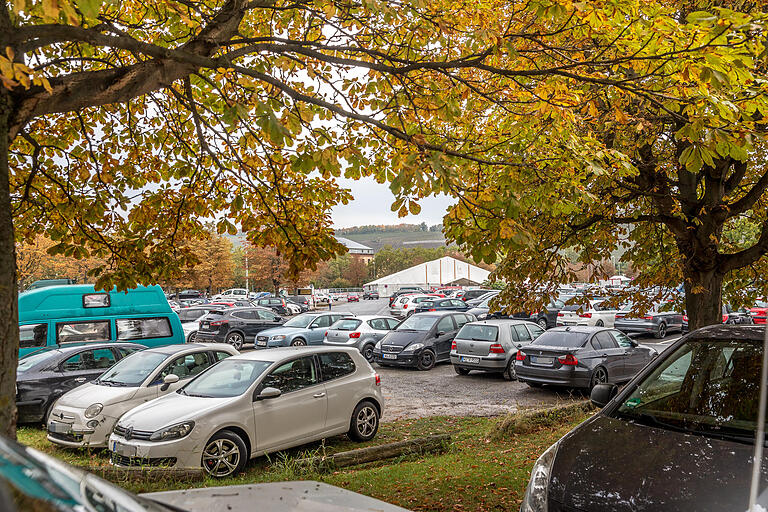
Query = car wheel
x=509 y=371
x=542 y=323
x=236 y=340
x=364 y=423
x=298 y=342
x=599 y=376
x=368 y=352
x=426 y=360
x=461 y=371
x=192 y=337
x=599 y=323
x=224 y=455
x=662 y=331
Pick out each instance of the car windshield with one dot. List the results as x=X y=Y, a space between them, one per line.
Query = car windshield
x=706 y=387
x=228 y=378
x=25 y=363
x=346 y=324
x=132 y=370
x=299 y=321
x=417 y=323
x=561 y=339
x=478 y=332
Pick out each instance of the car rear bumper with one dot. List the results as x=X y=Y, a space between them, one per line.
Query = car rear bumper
x=209 y=337
x=642 y=327
x=563 y=376
x=488 y=364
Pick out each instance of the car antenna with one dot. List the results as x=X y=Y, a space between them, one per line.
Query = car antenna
x=760 y=434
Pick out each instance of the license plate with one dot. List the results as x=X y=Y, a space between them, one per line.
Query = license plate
x=59 y=428
x=542 y=360
x=389 y=356
x=474 y=360
x=124 y=450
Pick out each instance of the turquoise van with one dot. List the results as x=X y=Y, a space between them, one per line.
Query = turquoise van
x=56 y=315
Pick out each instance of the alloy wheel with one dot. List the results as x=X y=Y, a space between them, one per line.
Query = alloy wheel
x=662 y=330
x=298 y=343
x=542 y=323
x=366 y=421
x=221 y=457
x=236 y=341
x=599 y=377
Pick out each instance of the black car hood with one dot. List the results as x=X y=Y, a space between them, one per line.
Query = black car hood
x=403 y=338
x=617 y=465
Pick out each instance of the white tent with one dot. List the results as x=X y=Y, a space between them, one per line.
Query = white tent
x=443 y=272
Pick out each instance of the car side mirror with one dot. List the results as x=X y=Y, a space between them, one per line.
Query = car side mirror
x=268 y=393
x=602 y=394
x=439 y=333
x=169 y=379
x=278 y=319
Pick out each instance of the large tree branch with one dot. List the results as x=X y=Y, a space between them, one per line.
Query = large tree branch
x=750 y=198
x=728 y=262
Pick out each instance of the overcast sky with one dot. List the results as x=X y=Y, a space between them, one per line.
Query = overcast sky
x=372 y=202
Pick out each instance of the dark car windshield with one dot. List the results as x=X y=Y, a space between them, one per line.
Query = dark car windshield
x=132 y=370
x=478 y=332
x=300 y=321
x=228 y=378
x=706 y=387
x=561 y=339
x=417 y=323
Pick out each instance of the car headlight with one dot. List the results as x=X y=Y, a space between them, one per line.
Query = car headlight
x=482 y=316
x=535 y=499
x=413 y=347
x=278 y=337
x=378 y=345
x=93 y=410
x=173 y=432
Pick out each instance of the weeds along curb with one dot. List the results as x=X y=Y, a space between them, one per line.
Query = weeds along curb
x=148 y=474
x=525 y=422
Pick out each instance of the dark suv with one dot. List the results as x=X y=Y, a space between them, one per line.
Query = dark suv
x=474 y=294
x=276 y=304
x=236 y=326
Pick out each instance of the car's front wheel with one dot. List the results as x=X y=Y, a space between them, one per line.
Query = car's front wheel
x=365 y=422
x=224 y=455
x=236 y=340
x=426 y=360
x=662 y=331
x=368 y=352
x=298 y=342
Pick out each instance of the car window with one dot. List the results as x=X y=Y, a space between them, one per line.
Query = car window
x=379 y=324
x=336 y=318
x=554 y=338
x=535 y=330
x=190 y=315
x=267 y=315
x=142 y=328
x=33 y=335
x=69 y=332
x=445 y=324
x=460 y=320
x=292 y=376
x=522 y=333
x=346 y=324
x=513 y=333
x=335 y=365
x=392 y=323
x=479 y=332
x=219 y=355
x=458 y=303
x=185 y=366
x=622 y=339
x=124 y=351
x=89 y=360
x=322 y=321
x=244 y=315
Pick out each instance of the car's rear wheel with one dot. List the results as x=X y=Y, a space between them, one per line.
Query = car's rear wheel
x=364 y=422
x=662 y=331
x=599 y=376
x=298 y=342
x=224 y=455
x=426 y=360
x=192 y=337
x=542 y=323
x=599 y=323
x=461 y=371
x=368 y=352
x=236 y=340
x=509 y=371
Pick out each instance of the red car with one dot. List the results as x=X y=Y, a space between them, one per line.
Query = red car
x=758 y=312
x=353 y=298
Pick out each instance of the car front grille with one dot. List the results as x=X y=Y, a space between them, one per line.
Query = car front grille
x=129 y=433
x=393 y=349
x=122 y=460
x=71 y=438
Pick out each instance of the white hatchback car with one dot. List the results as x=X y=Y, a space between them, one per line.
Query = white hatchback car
x=252 y=404
x=86 y=415
x=593 y=313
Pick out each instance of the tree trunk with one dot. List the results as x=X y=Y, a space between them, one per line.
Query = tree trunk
x=703 y=298
x=9 y=327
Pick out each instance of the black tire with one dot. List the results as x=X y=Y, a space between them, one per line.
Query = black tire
x=298 y=342
x=224 y=455
x=661 y=332
x=460 y=370
x=364 y=422
x=192 y=337
x=509 y=371
x=599 y=323
x=426 y=360
x=542 y=323
x=368 y=352
x=599 y=376
x=236 y=340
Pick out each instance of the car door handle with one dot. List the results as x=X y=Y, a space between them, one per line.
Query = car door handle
x=603 y=355
x=80 y=379
x=318 y=395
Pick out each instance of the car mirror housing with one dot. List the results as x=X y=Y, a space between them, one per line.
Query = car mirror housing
x=169 y=379
x=439 y=333
x=269 y=393
x=602 y=394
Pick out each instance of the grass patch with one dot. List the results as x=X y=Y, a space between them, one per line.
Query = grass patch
x=481 y=471
x=525 y=422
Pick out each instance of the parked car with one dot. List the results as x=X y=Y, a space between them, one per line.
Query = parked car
x=371 y=295
x=491 y=346
x=655 y=322
x=474 y=294
x=581 y=357
x=361 y=332
x=236 y=326
x=86 y=415
x=258 y=295
x=321 y=298
x=693 y=411
x=731 y=316
x=189 y=294
x=190 y=320
x=232 y=303
x=252 y=404
x=546 y=317
x=483 y=298
x=276 y=304
x=589 y=313
x=421 y=340
x=405 y=304
x=43 y=376
x=353 y=297
x=58 y=315
x=33 y=481
x=232 y=294
x=303 y=301
x=758 y=311
x=441 y=305
x=293 y=309
x=405 y=291
x=304 y=329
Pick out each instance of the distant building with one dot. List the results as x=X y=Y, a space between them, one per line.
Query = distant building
x=356 y=250
x=446 y=271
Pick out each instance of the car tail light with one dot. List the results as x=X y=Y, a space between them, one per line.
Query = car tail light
x=520 y=356
x=326 y=334
x=219 y=323
x=725 y=318
x=568 y=360
x=354 y=335
x=453 y=345
x=496 y=348
x=561 y=314
x=685 y=318
x=405 y=306
x=377 y=379
x=432 y=310
x=585 y=315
